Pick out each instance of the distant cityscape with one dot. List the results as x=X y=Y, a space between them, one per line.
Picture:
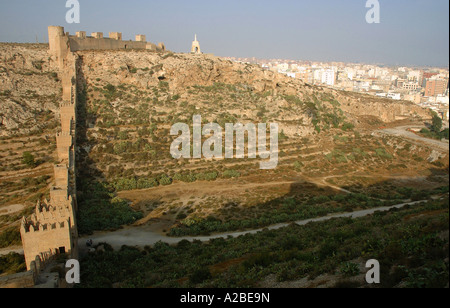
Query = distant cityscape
x=427 y=87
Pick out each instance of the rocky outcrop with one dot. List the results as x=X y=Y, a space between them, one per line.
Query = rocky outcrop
x=28 y=85
x=13 y=114
x=145 y=69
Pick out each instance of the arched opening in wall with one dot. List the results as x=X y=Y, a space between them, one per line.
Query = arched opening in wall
x=196 y=49
x=62 y=250
x=126 y=46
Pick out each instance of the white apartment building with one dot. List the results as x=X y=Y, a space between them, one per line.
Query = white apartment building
x=329 y=77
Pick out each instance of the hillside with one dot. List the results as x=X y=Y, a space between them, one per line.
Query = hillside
x=29 y=100
x=327 y=144
x=336 y=154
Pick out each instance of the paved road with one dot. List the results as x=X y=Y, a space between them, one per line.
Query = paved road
x=140 y=237
x=402 y=131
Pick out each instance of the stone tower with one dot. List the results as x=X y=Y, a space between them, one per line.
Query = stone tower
x=58 y=43
x=196 y=47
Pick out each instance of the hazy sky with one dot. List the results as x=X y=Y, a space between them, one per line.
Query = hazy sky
x=411 y=32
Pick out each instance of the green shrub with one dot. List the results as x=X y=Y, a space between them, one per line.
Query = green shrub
x=383 y=154
x=347 y=126
x=12 y=263
x=10 y=237
x=165 y=180
x=28 y=159
x=349 y=269
x=227 y=174
x=207 y=176
x=100 y=210
x=200 y=276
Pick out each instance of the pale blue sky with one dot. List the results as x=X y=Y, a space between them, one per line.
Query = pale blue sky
x=411 y=32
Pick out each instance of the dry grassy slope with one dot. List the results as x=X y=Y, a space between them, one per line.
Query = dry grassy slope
x=128 y=92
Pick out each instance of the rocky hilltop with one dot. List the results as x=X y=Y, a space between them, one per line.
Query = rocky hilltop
x=29 y=85
x=246 y=90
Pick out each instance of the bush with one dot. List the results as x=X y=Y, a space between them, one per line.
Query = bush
x=110 y=88
x=445 y=134
x=349 y=269
x=28 y=159
x=347 y=126
x=165 y=180
x=207 y=176
x=146 y=183
x=181 y=216
x=298 y=166
x=99 y=210
x=10 y=237
x=187 y=178
x=227 y=174
x=436 y=125
x=383 y=154
x=12 y=263
x=200 y=276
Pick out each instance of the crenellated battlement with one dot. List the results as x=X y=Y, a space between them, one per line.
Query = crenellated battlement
x=66 y=104
x=29 y=226
x=62 y=43
x=46 y=213
x=46 y=238
x=63 y=134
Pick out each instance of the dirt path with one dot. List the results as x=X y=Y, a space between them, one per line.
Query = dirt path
x=16 y=249
x=33 y=173
x=402 y=131
x=322 y=181
x=223 y=188
x=143 y=236
x=10 y=209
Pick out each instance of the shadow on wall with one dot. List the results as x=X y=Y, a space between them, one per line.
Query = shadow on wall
x=98 y=209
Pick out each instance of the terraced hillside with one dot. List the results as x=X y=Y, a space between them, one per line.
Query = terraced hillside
x=330 y=158
x=29 y=98
x=335 y=155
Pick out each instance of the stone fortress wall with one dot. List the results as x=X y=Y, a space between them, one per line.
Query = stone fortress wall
x=52 y=229
x=62 y=43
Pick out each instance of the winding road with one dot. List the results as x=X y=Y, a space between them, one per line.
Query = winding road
x=141 y=236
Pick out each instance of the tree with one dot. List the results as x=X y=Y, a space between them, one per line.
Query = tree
x=436 y=125
x=28 y=159
x=445 y=134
